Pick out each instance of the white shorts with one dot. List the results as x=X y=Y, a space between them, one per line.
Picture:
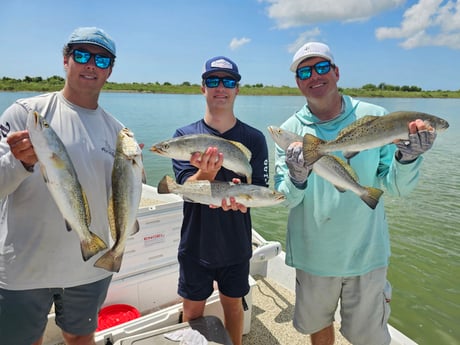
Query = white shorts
x=364 y=305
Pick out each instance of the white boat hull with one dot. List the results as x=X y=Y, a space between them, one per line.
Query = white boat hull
x=149 y=273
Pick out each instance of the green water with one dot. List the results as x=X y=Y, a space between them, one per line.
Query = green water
x=424 y=227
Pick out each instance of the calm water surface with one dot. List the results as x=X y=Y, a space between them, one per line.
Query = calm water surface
x=424 y=227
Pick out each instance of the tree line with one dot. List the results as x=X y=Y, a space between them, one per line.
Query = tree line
x=55 y=83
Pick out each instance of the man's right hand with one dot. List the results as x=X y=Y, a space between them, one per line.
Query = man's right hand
x=298 y=171
x=22 y=149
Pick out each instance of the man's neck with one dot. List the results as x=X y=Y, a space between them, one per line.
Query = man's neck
x=326 y=109
x=220 y=121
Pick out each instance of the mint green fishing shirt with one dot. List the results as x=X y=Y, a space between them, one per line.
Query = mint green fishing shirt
x=336 y=234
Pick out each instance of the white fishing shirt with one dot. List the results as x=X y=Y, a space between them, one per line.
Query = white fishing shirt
x=36 y=250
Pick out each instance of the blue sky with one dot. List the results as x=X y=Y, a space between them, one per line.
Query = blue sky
x=395 y=42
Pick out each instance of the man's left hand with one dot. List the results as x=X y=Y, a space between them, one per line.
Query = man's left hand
x=421 y=139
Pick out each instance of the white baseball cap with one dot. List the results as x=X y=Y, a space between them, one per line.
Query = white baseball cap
x=311 y=49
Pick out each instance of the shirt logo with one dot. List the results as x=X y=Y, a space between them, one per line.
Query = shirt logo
x=4 y=129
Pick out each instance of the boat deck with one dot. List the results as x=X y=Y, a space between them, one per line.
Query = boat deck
x=271 y=320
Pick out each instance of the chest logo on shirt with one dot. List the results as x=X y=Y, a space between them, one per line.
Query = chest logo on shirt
x=107 y=148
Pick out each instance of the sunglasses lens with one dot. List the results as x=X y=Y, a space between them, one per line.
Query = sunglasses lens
x=212 y=82
x=102 y=61
x=81 y=56
x=229 y=83
x=304 y=72
x=323 y=67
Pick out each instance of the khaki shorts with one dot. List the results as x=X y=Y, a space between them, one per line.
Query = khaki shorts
x=364 y=305
x=24 y=313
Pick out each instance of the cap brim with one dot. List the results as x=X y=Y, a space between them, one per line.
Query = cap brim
x=233 y=74
x=92 y=43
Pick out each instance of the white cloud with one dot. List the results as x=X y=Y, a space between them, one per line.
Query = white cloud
x=427 y=23
x=239 y=42
x=310 y=35
x=292 y=13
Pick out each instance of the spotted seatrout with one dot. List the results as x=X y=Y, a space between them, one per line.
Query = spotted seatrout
x=331 y=168
x=236 y=155
x=127 y=178
x=62 y=182
x=213 y=192
x=369 y=132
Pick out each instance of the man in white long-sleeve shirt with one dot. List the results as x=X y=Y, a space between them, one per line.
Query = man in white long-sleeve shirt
x=40 y=261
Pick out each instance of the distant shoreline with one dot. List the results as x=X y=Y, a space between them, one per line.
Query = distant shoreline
x=13 y=85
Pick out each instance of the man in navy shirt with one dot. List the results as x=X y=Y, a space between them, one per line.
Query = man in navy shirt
x=216 y=240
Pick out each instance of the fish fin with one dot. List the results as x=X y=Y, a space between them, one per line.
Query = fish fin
x=111 y=218
x=349 y=155
x=347 y=167
x=310 y=148
x=144 y=177
x=243 y=148
x=372 y=197
x=92 y=246
x=109 y=262
x=135 y=228
x=44 y=173
x=163 y=185
x=87 y=210
x=57 y=161
x=188 y=199
x=340 y=189
x=67 y=226
x=363 y=121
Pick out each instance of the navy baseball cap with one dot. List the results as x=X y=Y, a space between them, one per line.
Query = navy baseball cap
x=93 y=35
x=220 y=64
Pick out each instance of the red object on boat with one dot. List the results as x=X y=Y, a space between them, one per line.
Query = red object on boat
x=116 y=314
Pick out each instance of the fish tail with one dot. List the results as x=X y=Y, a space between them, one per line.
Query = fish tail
x=372 y=196
x=311 y=151
x=109 y=261
x=92 y=246
x=166 y=185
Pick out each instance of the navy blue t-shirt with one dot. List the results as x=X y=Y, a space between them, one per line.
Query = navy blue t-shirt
x=213 y=237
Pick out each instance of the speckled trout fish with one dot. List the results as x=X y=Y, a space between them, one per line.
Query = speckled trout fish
x=331 y=168
x=62 y=182
x=369 y=132
x=127 y=178
x=213 y=192
x=236 y=155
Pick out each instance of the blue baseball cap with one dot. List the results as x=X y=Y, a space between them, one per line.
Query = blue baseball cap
x=220 y=64
x=93 y=35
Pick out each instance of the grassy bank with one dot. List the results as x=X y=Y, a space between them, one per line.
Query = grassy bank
x=56 y=83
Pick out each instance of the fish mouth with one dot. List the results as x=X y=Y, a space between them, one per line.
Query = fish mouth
x=280 y=198
x=156 y=150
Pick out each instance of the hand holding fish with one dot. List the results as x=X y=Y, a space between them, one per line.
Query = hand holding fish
x=298 y=170
x=22 y=149
x=232 y=206
x=208 y=163
x=235 y=206
x=421 y=139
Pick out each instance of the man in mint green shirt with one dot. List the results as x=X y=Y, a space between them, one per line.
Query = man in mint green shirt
x=339 y=245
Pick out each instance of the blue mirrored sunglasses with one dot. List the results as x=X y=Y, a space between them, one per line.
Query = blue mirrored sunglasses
x=82 y=57
x=213 y=82
x=321 y=68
